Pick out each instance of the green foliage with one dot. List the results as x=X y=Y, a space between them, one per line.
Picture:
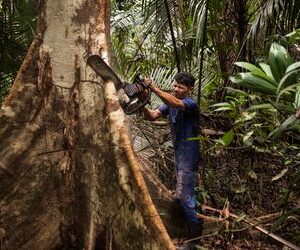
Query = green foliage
x=278 y=82
x=293 y=37
x=17 y=25
x=226 y=139
x=201 y=196
x=272 y=18
x=5 y=85
x=163 y=77
x=279 y=60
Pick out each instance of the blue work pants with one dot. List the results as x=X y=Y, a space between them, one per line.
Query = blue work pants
x=185 y=192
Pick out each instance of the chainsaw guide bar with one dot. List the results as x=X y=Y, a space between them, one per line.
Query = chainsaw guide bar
x=131 y=96
x=103 y=70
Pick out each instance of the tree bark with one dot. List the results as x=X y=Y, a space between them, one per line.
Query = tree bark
x=69 y=178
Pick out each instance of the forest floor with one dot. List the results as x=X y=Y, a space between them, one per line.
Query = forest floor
x=240 y=177
x=246 y=181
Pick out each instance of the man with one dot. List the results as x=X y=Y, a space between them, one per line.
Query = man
x=183 y=113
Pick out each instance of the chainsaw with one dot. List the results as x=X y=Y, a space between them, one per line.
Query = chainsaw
x=132 y=96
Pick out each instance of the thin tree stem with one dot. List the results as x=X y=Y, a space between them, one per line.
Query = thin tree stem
x=203 y=40
x=176 y=54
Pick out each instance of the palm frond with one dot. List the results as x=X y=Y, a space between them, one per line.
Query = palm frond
x=15 y=35
x=155 y=15
x=275 y=16
x=17 y=25
x=126 y=20
x=197 y=10
x=6 y=81
x=163 y=78
x=265 y=17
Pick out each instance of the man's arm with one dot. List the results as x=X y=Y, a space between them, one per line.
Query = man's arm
x=167 y=98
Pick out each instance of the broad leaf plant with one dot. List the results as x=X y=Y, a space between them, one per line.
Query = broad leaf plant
x=278 y=81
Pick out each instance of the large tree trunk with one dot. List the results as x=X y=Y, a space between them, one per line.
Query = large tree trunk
x=68 y=176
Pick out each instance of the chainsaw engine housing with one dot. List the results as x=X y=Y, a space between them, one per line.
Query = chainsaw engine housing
x=133 y=96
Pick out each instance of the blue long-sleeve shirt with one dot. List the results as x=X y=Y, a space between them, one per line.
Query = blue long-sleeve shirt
x=184 y=124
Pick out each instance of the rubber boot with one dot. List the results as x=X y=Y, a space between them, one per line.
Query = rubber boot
x=195 y=228
x=195 y=231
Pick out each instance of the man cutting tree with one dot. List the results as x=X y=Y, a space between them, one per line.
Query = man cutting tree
x=183 y=114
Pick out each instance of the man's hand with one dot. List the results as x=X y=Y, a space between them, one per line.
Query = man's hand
x=147 y=82
x=150 y=115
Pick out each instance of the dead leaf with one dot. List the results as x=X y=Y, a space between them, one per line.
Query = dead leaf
x=225 y=210
x=252 y=174
x=282 y=173
x=226 y=224
x=225 y=214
